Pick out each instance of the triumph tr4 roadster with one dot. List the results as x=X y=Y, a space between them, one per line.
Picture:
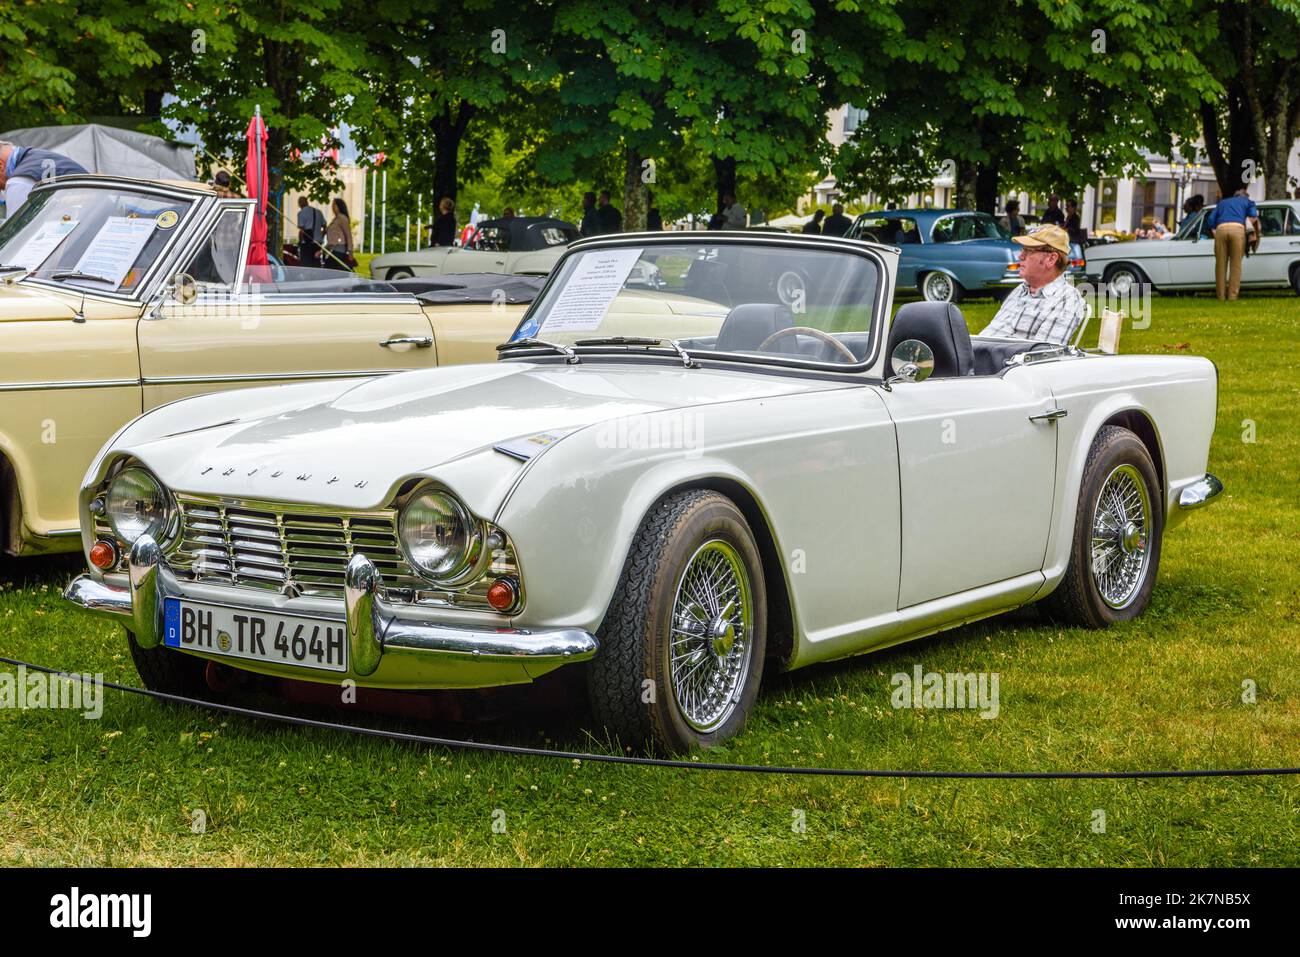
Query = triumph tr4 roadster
x=677 y=486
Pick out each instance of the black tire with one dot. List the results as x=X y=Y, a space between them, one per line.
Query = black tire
x=1115 y=277
x=1079 y=599
x=955 y=292
x=1295 y=279
x=171 y=672
x=400 y=272
x=630 y=681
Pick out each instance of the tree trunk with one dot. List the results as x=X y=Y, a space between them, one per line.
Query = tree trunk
x=986 y=189
x=448 y=131
x=277 y=154
x=724 y=173
x=967 y=183
x=634 y=194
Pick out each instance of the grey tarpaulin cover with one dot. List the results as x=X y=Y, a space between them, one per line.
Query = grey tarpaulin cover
x=112 y=151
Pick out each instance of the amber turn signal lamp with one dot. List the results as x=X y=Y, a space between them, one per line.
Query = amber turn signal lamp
x=502 y=594
x=103 y=555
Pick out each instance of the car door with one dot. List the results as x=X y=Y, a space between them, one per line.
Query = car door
x=1187 y=260
x=237 y=334
x=977 y=473
x=1270 y=263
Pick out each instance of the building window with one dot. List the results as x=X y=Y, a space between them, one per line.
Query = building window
x=1103 y=215
x=853 y=118
x=1155 y=201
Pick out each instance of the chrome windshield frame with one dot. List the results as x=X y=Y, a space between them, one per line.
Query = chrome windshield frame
x=872 y=252
x=199 y=200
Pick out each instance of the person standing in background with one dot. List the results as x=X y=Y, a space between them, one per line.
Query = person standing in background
x=1228 y=219
x=311 y=233
x=1012 y=222
x=611 y=220
x=653 y=221
x=444 y=224
x=221 y=185
x=1052 y=215
x=338 y=238
x=1077 y=233
x=814 y=226
x=590 y=224
x=837 y=224
x=22 y=167
x=733 y=214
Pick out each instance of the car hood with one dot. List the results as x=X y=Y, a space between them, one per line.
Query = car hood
x=346 y=444
x=1140 y=248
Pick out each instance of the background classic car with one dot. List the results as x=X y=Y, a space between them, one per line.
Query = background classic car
x=90 y=336
x=1186 y=262
x=678 y=495
x=948 y=253
x=523 y=245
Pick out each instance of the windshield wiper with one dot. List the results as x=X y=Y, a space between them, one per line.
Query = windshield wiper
x=687 y=361
x=570 y=356
x=13 y=268
x=80 y=275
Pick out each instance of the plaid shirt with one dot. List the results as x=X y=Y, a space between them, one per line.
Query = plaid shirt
x=1052 y=314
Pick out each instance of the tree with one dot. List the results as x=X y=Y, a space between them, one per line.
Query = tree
x=290 y=57
x=1046 y=95
x=434 y=71
x=1252 y=129
x=67 y=63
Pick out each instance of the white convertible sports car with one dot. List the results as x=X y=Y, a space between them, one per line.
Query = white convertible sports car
x=749 y=466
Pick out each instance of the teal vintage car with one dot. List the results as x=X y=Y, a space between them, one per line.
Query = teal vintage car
x=949 y=253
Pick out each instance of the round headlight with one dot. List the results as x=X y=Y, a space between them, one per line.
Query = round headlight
x=439 y=536
x=136 y=505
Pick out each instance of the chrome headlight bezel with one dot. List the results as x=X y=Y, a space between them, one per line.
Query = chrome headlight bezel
x=164 y=529
x=469 y=558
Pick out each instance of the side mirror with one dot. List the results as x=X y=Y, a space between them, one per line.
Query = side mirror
x=913 y=361
x=184 y=289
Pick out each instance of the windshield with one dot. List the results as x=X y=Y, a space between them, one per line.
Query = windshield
x=91 y=237
x=1200 y=222
x=765 y=301
x=953 y=229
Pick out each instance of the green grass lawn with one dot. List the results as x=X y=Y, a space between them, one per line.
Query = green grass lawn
x=1162 y=692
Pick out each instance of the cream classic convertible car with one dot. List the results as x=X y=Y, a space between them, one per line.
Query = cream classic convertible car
x=94 y=329
x=674 y=489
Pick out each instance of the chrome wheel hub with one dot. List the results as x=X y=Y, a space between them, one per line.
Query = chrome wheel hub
x=712 y=634
x=1120 y=529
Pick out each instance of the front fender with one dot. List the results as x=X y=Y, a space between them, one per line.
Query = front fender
x=572 y=535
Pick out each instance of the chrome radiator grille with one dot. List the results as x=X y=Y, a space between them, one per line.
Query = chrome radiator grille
x=302 y=552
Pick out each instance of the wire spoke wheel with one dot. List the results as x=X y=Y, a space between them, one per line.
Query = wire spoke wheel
x=1121 y=530
x=712 y=635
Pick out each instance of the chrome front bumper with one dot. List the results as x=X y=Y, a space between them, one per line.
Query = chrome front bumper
x=375 y=629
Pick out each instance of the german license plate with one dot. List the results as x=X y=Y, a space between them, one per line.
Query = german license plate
x=255 y=635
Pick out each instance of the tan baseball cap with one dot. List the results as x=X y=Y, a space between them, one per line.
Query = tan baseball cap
x=1046 y=236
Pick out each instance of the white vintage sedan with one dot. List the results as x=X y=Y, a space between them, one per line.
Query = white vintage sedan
x=521 y=245
x=1186 y=262
x=676 y=489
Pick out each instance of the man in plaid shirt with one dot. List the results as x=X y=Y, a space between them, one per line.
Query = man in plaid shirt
x=1045 y=307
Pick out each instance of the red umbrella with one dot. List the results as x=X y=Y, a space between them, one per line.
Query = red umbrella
x=257 y=186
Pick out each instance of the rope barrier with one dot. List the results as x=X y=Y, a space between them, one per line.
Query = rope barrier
x=457 y=744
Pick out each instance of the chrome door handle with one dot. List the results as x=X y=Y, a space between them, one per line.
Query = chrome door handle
x=420 y=342
x=1050 y=416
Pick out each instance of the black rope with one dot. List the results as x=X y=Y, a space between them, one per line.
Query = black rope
x=456 y=744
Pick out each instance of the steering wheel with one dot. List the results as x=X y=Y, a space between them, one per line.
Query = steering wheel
x=815 y=333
